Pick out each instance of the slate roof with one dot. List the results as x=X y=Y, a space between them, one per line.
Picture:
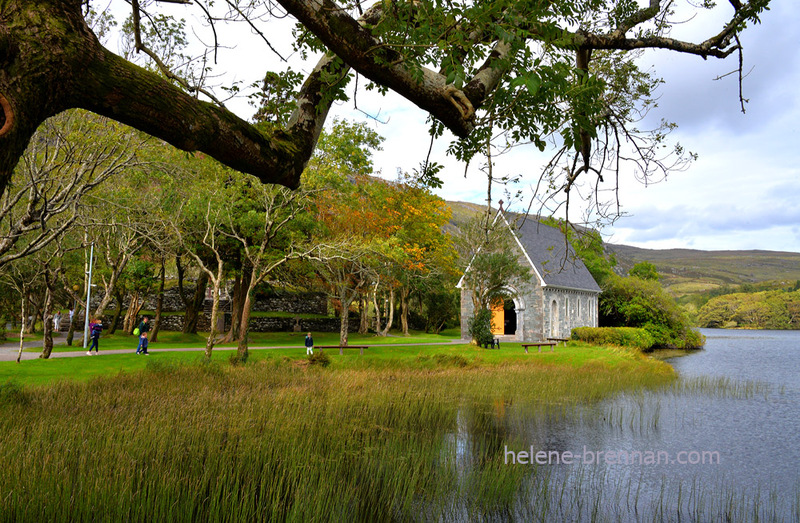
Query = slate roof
x=553 y=257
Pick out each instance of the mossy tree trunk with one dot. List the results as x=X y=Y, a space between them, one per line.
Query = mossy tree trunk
x=47 y=321
x=159 y=303
x=363 y=311
x=117 y=313
x=404 y=292
x=24 y=312
x=132 y=314
x=390 y=314
x=51 y=61
x=195 y=306
x=244 y=328
x=241 y=290
x=212 y=336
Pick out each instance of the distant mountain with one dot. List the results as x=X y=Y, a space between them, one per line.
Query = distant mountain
x=688 y=271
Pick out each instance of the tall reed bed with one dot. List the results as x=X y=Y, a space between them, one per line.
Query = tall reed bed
x=278 y=440
x=583 y=494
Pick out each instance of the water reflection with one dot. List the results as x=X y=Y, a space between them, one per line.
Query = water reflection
x=726 y=439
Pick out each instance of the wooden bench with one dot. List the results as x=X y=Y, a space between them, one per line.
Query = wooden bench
x=563 y=340
x=342 y=347
x=540 y=344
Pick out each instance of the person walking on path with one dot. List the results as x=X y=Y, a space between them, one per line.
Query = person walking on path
x=309 y=344
x=144 y=329
x=57 y=321
x=95 y=328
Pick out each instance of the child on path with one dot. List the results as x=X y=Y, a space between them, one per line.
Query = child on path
x=309 y=344
x=95 y=328
x=144 y=328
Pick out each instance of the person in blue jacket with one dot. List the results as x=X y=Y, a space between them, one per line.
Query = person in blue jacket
x=309 y=344
x=144 y=329
x=95 y=328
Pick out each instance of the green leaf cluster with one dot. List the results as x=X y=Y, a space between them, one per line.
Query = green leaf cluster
x=634 y=302
x=638 y=338
x=645 y=270
x=480 y=327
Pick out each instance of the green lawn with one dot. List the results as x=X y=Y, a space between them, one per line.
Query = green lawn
x=377 y=357
x=177 y=340
x=13 y=336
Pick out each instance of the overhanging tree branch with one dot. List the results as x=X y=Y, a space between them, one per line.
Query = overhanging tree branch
x=51 y=61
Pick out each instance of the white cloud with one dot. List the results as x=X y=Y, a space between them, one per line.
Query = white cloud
x=743 y=192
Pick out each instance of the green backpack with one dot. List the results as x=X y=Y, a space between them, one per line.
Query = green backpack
x=136 y=331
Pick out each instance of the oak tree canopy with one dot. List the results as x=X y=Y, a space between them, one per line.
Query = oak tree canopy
x=534 y=70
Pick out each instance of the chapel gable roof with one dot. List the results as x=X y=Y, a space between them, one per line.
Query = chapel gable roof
x=553 y=257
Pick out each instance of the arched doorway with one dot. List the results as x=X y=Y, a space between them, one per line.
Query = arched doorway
x=509 y=318
x=506 y=316
x=554 y=319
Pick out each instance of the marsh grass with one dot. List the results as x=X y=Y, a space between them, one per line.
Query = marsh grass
x=404 y=434
x=639 y=410
x=582 y=494
x=666 y=354
x=272 y=439
x=718 y=387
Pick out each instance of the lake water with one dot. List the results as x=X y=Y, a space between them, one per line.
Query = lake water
x=727 y=441
x=722 y=444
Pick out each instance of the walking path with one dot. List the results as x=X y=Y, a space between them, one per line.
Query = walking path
x=9 y=350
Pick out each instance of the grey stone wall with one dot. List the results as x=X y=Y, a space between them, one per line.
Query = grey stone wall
x=311 y=303
x=172 y=300
x=542 y=312
x=567 y=309
x=528 y=304
x=467 y=312
x=174 y=322
x=306 y=303
x=530 y=314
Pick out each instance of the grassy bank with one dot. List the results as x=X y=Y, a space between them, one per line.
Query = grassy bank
x=377 y=357
x=404 y=433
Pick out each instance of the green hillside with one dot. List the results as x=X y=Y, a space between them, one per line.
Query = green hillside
x=688 y=271
x=462 y=213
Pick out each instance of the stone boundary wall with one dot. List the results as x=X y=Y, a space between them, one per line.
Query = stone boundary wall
x=311 y=303
x=305 y=303
x=175 y=323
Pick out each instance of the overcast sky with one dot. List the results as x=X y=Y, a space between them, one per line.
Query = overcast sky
x=742 y=193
